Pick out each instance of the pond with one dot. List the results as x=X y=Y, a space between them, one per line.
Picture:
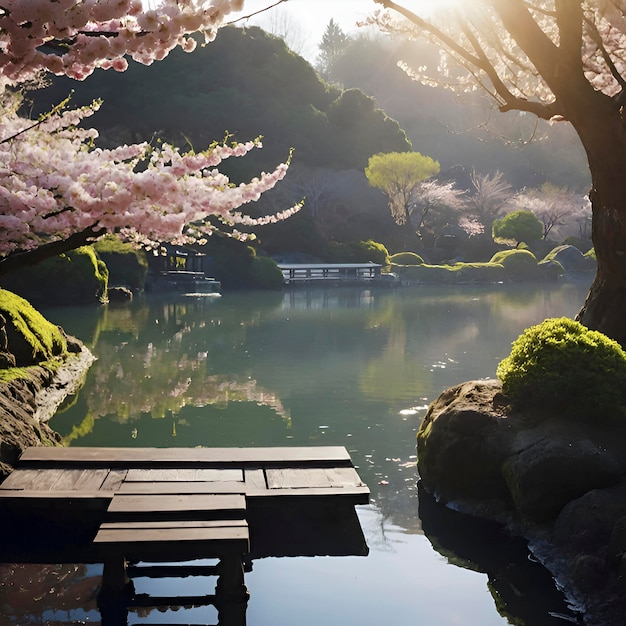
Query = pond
x=355 y=367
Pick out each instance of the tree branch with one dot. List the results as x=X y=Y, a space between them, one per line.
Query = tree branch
x=17 y=260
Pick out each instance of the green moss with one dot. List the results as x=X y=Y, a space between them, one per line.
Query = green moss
x=452 y=274
x=563 y=366
x=126 y=264
x=76 y=277
x=518 y=263
x=265 y=273
x=43 y=337
x=406 y=258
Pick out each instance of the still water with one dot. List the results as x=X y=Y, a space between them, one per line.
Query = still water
x=342 y=366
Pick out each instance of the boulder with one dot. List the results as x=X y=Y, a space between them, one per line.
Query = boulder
x=544 y=477
x=462 y=444
x=560 y=483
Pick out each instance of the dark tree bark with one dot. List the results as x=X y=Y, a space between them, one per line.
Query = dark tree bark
x=17 y=260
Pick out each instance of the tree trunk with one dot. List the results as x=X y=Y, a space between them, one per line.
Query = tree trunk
x=603 y=134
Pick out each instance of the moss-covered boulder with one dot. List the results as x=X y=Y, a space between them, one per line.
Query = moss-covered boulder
x=76 y=277
x=572 y=259
x=127 y=265
x=519 y=263
x=28 y=336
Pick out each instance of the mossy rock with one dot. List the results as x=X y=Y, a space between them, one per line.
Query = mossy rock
x=30 y=337
x=519 y=263
x=562 y=366
x=77 y=277
x=127 y=265
x=572 y=259
x=265 y=273
x=406 y=258
x=452 y=274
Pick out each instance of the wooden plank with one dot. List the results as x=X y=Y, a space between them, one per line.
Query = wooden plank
x=38 y=479
x=133 y=457
x=182 y=488
x=182 y=524
x=298 y=478
x=114 y=480
x=344 y=477
x=178 y=504
x=184 y=475
x=352 y=495
x=80 y=479
x=51 y=496
x=235 y=537
x=255 y=479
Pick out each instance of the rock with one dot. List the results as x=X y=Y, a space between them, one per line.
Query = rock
x=572 y=259
x=462 y=444
x=119 y=294
x=563 y=482
x=544 y=477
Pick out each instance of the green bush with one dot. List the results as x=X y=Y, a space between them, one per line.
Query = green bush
x=76 y=277
x=406 y=258
x=562 y=366
x=357 y=252
x=127 y=265
x=518 y=226
x=265 y=273
x=518 y=263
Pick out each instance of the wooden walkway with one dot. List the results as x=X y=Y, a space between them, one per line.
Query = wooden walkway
x=121 y=505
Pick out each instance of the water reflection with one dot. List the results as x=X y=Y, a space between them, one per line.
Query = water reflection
x=342 y=366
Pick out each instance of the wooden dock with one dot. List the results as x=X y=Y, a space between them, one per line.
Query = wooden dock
x=125 y=505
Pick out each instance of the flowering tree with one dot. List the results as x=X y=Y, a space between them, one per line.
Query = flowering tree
x=488 y=198
x=559 y=60
x=555 y=206
x=57 y=190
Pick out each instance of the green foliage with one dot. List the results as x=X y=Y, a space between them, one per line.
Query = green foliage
x=459 y=273
x=44 y=339
x=406 y=258
x=265 y=273
x=561 y=365
x=396 y=172
x=127 y=265
x=519 y=263
x=73 y=278
x=357 y=252
x=518 y=226
x=246 y=82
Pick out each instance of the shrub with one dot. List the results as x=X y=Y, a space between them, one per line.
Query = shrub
x=406 y=258
x=518 y=263
x=563 y=366
x=73 y=278
x=518 y=226
x=127 y=265
x=265 y=273
x=357 y=252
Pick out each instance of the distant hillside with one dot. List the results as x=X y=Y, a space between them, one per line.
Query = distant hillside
x=245 y=82
x=465 y=132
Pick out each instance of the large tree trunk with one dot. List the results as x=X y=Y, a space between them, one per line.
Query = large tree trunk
x=603 y=134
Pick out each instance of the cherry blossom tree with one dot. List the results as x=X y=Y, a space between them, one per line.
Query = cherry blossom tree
x=561 y=60
x=555 y=206
x=57 y=190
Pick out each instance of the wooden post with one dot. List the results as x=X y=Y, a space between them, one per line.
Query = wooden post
x=231 y=593
x=114 y=592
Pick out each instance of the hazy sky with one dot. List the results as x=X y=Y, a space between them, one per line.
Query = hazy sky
x=312 y=16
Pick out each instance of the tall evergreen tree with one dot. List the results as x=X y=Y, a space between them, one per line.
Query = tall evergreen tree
x=333 y=44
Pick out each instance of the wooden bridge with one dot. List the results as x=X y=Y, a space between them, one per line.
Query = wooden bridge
x=126 y=505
